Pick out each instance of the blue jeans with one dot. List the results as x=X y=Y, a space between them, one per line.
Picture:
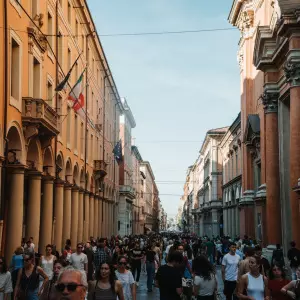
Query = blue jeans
x=32 y=294
x=150 y=267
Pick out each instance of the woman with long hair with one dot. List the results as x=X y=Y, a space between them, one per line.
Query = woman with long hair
x=5 y=281
x=205 y=282
x=292 y=289
x=106 y=286
x=126 y=279
x=49 y=292
x=47 y=262
x=276 y=282
x=27 y=286
x=253 y=282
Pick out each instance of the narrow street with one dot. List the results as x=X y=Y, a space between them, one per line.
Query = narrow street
x=142 y=293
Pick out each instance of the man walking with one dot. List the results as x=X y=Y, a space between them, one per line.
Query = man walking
x=230 y=265
x=136 y=262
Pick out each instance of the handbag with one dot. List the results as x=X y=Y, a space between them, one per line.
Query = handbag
x=187 y=282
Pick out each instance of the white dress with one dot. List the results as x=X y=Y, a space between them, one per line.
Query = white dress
x=256 y=287
x=47 y=266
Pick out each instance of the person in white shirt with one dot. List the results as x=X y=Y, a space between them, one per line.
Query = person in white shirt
x=79 y=260
x=230 y=265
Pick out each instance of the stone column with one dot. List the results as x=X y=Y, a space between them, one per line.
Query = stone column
x=96 y=216
x=86 y=216
x=293 y=77
x=67 y=213
x=46 y=213
x=91 y=216
x=75 y=216
x=105 y=219
x=58 y=213
x=273 y=209
x=34 y=206
x=80 y=215
x=100 y=224
x=14 y=223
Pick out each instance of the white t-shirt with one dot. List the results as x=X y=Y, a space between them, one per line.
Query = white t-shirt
x=206 y=287
x=168 y=248
x=78 y=260
x=231 y=263
x=126 y=280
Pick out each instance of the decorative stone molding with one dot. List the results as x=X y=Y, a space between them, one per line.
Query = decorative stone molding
x=292 y=73
x=247 y=198
x=36 y=38
x=270 y=101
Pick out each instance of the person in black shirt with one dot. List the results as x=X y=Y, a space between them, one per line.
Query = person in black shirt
x=136 y=262
x=150 y=266
x=294 y=258
x=169 y=279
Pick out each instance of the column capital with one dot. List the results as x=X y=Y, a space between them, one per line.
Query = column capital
x=292 y=73
x=59 y=182
x=270 y=101
x=48 y=178
x=75 y=188
x=34 y=174
x=81 y=190
x=68 y=186
x=16 y=168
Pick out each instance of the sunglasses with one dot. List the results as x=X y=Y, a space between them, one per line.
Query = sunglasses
x=121 y=263
x=80 y=247
x=71 y=287
x=27 y=259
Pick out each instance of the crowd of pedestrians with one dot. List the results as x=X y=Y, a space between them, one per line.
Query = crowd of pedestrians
x=180 y=266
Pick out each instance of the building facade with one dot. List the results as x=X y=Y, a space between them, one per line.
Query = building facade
x=207 y=211
x=127 y=192
x=269 y=51
x=59 y=176
x=147 y=196
x=230 y=148
x=138 y=226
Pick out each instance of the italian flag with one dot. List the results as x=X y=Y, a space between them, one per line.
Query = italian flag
x=76 y=97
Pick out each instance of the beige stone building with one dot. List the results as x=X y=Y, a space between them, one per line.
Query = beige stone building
x=59 y=176
x=230 y=148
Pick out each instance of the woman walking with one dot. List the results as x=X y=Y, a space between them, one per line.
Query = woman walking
x=47 y=262
x=205 y=282
x=49 y=292
x=27 y=287
x=17 y=263
x=5 y=281
x=106 y=286
x=253 y=282
x=277 y=282
x=126 y=279
x=292 y=289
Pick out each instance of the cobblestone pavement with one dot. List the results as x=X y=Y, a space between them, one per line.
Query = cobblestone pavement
x=142 y=293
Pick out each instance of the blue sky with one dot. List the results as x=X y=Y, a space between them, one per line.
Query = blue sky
x=178 y=86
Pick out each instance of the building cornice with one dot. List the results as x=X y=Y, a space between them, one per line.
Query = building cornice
x=127 y=111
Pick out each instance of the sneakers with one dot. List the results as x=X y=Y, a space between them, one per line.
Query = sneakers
x=136 y=283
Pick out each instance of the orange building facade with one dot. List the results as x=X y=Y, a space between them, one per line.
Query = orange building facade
x=59 y=176
x=269 y=57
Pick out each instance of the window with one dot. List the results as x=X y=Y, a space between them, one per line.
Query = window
x=34 y=8
x=69 y=59
x=69 y=13
x=75 y=132
x=76 y=30
x=50 y=36
x=76 y=72
x=36 y=78
x=91 y=148
x=97 y=148
x=49 y=92
x=69 y=127
x=237 y=162
x=59 y=113
x=142 y=194
x=81 y=139
x=15 y=70
x=60 y=48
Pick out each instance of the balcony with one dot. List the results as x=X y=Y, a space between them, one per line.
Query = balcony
x=37 y=113
x=127 y=191
x=100 y=169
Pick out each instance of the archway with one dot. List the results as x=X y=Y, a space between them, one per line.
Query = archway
x=60 y=166
x=82 y=181
x=34 y=156
x=69 y=173
x=48 y=162
x=76 y=179
x=16 y=146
